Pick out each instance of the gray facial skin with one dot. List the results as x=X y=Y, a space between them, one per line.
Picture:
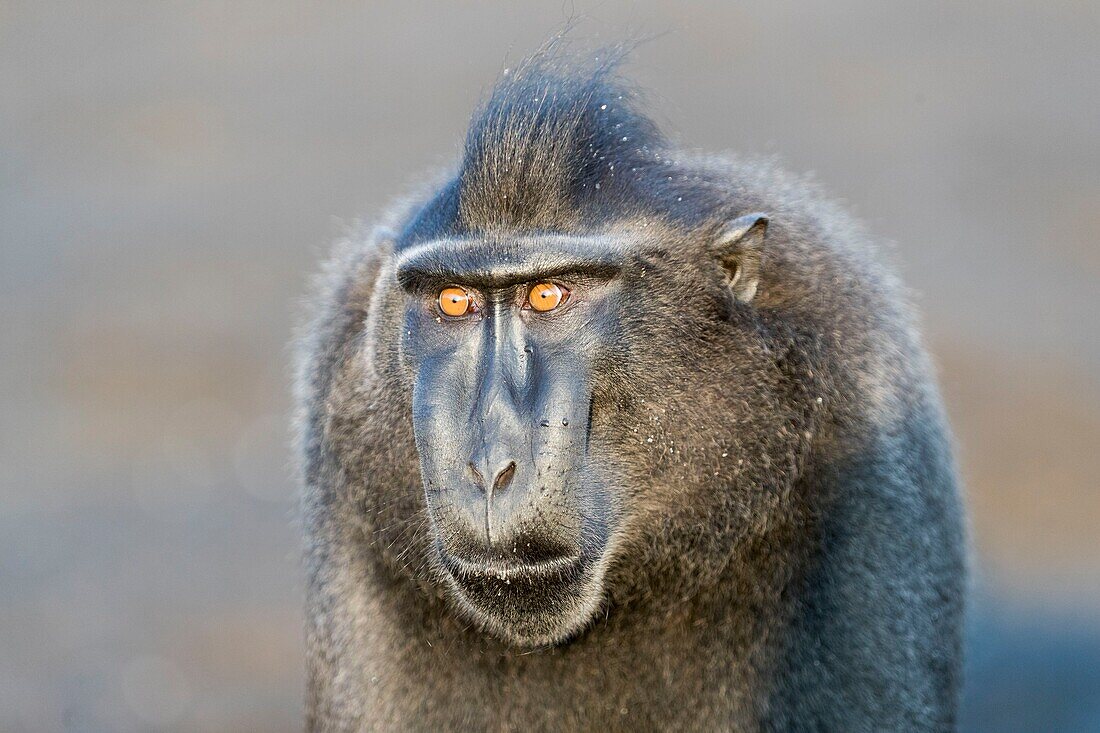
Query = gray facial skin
x=500 y=406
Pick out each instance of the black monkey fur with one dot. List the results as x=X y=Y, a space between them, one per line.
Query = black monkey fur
x=762 y=494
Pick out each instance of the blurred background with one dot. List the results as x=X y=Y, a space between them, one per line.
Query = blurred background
x=170 y=174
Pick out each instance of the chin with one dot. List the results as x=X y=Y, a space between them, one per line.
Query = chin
x=528 y=605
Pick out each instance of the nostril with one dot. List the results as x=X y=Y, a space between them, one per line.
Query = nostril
x=500 y=483
x=476 y=474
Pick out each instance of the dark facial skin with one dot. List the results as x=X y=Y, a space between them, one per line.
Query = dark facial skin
x=501 y=402
x=505 y=396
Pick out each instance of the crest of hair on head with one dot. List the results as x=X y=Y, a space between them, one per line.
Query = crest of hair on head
x=556 y=142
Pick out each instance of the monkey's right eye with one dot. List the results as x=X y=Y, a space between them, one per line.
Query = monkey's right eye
x=456 y=302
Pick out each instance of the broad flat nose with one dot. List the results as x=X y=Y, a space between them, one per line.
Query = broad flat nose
x=501 y=479
x=500 y=504
x=496 y=515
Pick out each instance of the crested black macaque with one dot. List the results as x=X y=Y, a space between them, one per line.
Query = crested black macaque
x=598 y=434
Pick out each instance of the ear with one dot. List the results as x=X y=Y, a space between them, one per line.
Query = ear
x=740 y=252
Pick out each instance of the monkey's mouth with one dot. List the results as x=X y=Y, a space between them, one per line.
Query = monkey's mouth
x=526 y=603
x=560 y=569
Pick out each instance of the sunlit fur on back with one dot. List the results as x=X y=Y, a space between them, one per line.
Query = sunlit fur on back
x=786 y=544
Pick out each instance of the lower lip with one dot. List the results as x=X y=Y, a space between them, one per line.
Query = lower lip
x=563 y=569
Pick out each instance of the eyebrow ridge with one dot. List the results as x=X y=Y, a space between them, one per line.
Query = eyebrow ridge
x=499 y=263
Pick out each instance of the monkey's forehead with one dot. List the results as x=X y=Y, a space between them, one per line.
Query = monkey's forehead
x=503 y=260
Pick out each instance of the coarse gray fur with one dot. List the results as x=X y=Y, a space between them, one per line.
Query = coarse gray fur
x=789 y=551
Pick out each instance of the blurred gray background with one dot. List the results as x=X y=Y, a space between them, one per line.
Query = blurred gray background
x=170 y=174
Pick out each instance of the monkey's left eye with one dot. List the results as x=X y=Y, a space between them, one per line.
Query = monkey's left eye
x=546 y=296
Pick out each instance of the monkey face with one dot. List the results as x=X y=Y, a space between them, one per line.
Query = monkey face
x=516 y=351
x=503 y=352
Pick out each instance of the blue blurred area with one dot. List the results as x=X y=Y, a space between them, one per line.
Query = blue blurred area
x=1031 y=673
x=171 y=172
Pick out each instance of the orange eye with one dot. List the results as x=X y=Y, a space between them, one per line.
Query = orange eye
x=455 y=302
x=546 y=296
